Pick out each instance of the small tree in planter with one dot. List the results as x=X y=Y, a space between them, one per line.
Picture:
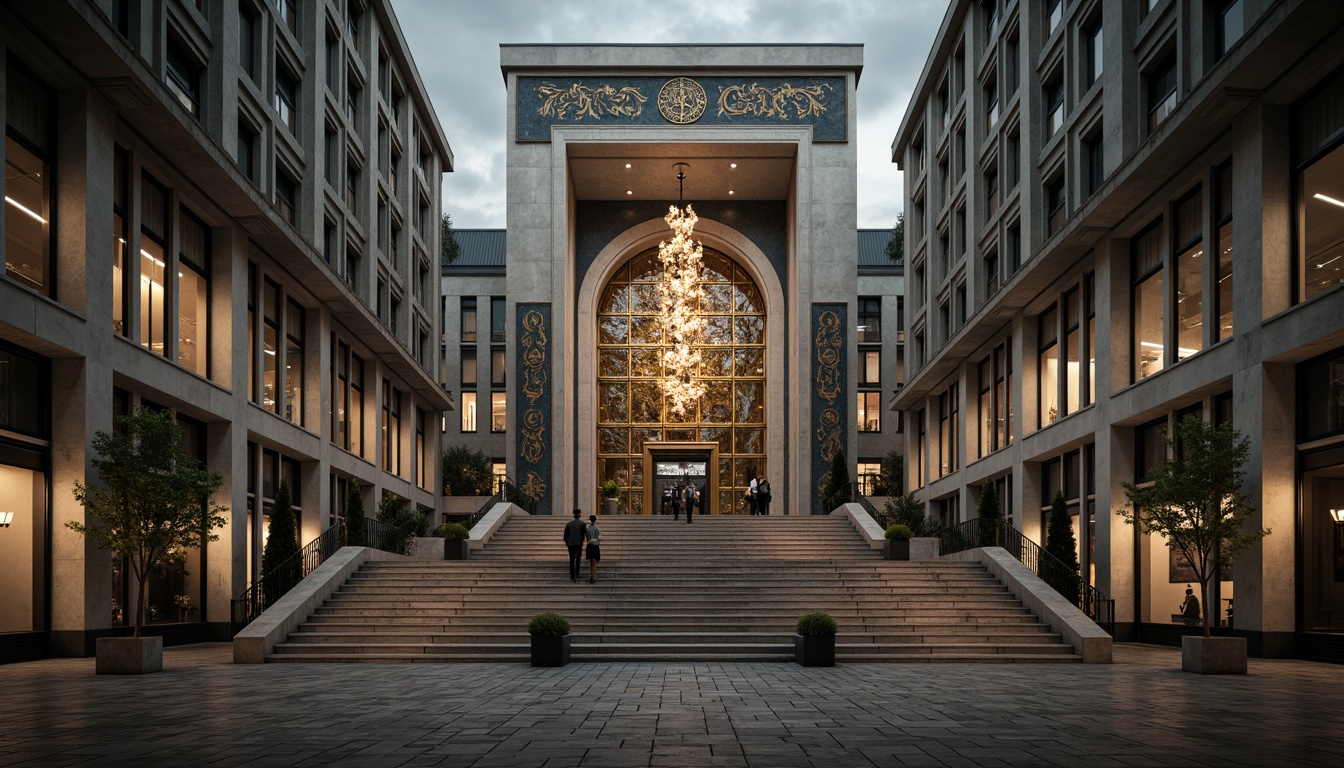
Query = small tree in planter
x=814 y=645
x=282 y=544
x=1060 y=542
x=406 y=523
x=466 y=472
x=152 y=502
x=837 y=482
x=908 y=510
x=889 y=479
x=356 y=533
x=991 y=519
x=455 y=541
x=897 y=544
x=610 y=491
x=1196 y=502
x=550 y=640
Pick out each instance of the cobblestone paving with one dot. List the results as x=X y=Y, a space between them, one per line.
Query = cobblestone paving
x=204 y=711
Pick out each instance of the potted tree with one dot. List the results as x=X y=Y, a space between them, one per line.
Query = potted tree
x=1195 y=501
x=897 y=545
x=814 y=645
x=610 y=490
x=990 y=518
x=550 y=640
x=152 y=500
x=455 y=541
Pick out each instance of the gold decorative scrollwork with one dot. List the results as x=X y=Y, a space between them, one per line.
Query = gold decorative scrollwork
x=534 y=342
x=826 y=346
x=585 y=101
x=533 y=486
x=682 y=100
x=759 y=101
x=828 y=433
x=533 y=448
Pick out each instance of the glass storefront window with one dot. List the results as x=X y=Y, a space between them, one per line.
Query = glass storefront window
x=23 y=546
x=28 y=190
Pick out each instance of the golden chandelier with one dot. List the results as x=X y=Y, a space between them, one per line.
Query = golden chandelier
x=679 y=293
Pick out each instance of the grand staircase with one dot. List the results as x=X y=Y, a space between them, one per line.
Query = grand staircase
x=721 y=589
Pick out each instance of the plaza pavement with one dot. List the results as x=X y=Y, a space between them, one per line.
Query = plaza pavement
x=204 y=711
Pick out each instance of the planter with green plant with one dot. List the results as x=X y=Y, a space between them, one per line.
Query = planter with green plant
x=897 y=545
x=550 y=640
x=455 y=541
x=814 y=645
x=151 y=503
x=610 y=491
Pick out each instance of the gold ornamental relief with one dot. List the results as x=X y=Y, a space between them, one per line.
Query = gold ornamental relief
x=682 y=100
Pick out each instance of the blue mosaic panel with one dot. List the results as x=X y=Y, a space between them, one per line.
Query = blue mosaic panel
x=830 y=399
x=532 y=405
x=820 y=102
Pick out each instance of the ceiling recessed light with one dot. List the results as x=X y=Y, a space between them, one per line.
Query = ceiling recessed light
x=730 y=191
x=627 y=165
x=732 y=165
x=629 y=191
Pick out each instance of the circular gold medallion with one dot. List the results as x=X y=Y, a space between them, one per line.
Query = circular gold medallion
x=682 y=100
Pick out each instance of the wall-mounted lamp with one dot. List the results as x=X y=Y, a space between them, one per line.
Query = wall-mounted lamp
x=6 y=518
x=1335 y=514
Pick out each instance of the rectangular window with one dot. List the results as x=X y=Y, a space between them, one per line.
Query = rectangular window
x=1222 y=214
x=252 y=332
x=340 y=393
x=183 y=76
x=356 y=420
x=498 y=411
x=870 y=368
x=991 y=105
x=286 y=195
x=468 y=367
x=352 y=188
x=468 y=318
x=270 y=345
x=1090 y=305
x=991 y=193
x=1073 y=374
x=497 y=367
x=1161 y=92
x=287 y=98
x=1230 y=25
x=1011 y=152
x=1149 y=351
x=1188 y=228
x=1054 y=13
x=991 y=271
x=153 y=268
x=1096 y=161
x=1318 y=123
x=1054 y=107
x=247 y=38
x=391 y=428
x=247 y=151
x=1048 y=368
x=498 y=317
x=294 y=335
x=288 y=12
x=917 y=470
x=30 y=196
x=1093 y=54
x=1150 y=445
x=193 y=294
x=870 y=320
x=870 y=411
x=1010 y=55
x=421 y=457
x=1014 y=242
x=120 y=271
x=468 y=411
x=1054 y=202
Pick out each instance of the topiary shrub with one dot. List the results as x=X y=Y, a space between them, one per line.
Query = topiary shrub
x=899 y=532
x=466 y=472
x=548 y=625
x=814 y=624
x=406 y=523
x=453 y=531
x=356 y=532
x=611 y=489
x=837 y=483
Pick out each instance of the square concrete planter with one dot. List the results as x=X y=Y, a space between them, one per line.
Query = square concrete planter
x=129 y=655
x=427 y=548
x=814 y=650
x=550 y=651
x=896 y=549
x=456 y=550
x=924 y=548
x=1213 y=655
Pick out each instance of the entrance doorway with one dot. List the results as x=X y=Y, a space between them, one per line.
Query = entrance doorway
x=672 y=466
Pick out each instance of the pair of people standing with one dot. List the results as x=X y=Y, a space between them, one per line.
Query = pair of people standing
x=576 y=533
x=686 y=496
x=758 y=496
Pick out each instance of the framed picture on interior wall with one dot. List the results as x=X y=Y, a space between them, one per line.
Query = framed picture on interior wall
x=1181 y=572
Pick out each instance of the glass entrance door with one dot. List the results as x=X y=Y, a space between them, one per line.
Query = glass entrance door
x=670 y=477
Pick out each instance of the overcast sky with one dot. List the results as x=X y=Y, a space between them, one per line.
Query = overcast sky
x=455 y=44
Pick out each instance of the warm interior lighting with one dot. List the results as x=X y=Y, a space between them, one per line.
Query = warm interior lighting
x=7 y=518
x=730 y=191
x=37 y=216
x=732 y=165
x=1318 y=196
x=627 y=165
x=1335 y=514
x=629 y=191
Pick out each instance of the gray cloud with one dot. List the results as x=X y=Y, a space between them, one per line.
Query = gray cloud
x=456 y=47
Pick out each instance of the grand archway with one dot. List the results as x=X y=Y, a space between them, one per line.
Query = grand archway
x=727 y=428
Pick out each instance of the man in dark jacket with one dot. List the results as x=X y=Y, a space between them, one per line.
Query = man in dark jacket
x=688 y=499
x=575 y=531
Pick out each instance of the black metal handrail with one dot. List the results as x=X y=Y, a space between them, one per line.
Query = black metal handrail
x=1065 y=580
x=508 y=491
x=282 y=578
x=881 y=516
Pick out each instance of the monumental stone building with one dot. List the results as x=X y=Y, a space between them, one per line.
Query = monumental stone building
x=228 y=210
x=1119 y=214
x=475 y=296
x=763 y=140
